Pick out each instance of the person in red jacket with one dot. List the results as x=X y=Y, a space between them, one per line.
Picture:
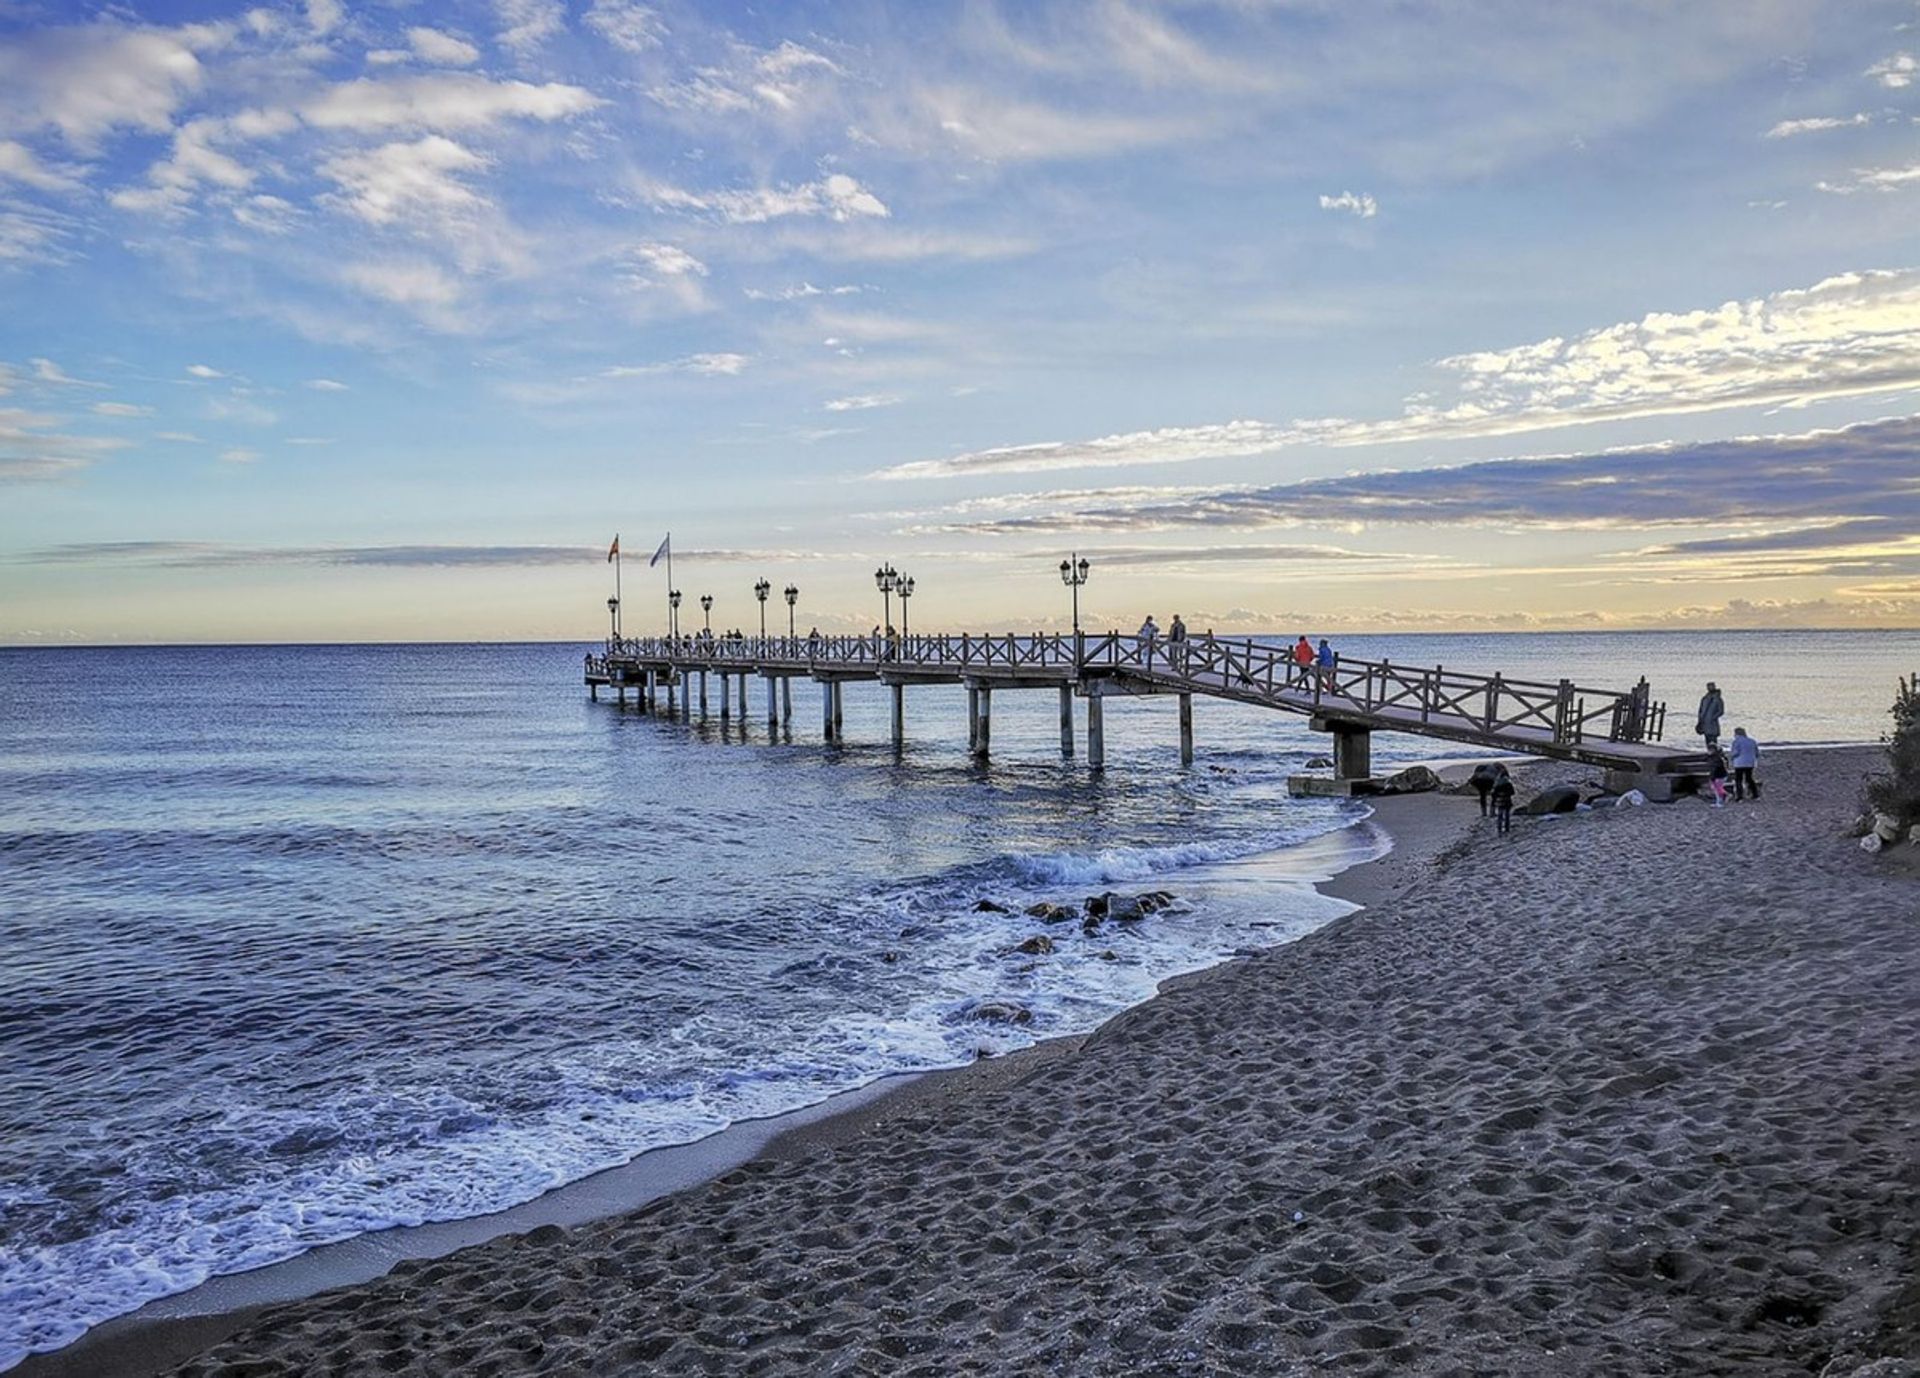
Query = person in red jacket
x=1302 y=658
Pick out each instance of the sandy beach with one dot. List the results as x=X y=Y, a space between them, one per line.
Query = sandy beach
x=1632 y=1091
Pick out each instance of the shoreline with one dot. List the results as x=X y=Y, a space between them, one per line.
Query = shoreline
x=164 y=1332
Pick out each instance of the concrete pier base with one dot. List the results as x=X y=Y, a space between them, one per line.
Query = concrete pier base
x=786 y=698
x=899 y=693
x=826 y=712
x=1096 y=732
x=1352 y=748
x=1186 y=729
x=983 y=724
x=973 y=718
x=1066 y=721
x=703 y=693
x=839 y=710
x=726 y=694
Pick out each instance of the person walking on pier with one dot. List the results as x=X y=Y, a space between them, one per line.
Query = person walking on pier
x=1712 y=709
x=1177 y=643
x=1325 y=659
x=1745 y=756
x=1502 y=792
x=1302 y=659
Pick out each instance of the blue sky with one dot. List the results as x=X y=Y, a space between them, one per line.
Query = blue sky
x=340 y=321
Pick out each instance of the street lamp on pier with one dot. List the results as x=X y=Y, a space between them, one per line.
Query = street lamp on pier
x=613 y=619
x=904 y=587
x=885 y=578
x=673 y=616
x=760 y=590
x=706 y=611
x=793 y=596
x=1073 y=573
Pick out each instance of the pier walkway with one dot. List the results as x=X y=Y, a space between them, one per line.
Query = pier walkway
x=1617 y=729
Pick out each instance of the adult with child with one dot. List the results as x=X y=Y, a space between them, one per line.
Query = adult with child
x=1502 y=793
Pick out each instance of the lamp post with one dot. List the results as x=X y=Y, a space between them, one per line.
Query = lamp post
x=673 y=616
x=706 y=611
x=613 y=619
x=904 y=587
x=793 y=596
x=1073 y=573
x=884 y=578
x=760 y=591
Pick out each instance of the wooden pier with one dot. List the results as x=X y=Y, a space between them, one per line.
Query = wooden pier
x=1619 y=730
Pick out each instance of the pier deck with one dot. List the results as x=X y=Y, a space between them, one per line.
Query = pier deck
x=1616 y=729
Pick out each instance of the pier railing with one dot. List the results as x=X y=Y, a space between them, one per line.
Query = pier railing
x=1392 y=696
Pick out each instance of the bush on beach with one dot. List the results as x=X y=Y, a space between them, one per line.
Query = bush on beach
x=1898 y=791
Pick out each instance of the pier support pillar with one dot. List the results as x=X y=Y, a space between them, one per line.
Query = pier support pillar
x=645 y=697
x=826 y=711
x=1096 y=732
x=786 y=699
x=773 y=709
x=743 y=699
x=726 y=692
x=983 y=724
x=899 y=714
x=839 y=710
x=703 y=693
x=593 y=692
x=1352 y=753
x=623 y=695
x=1066 y=720
x=1186 y=729
x=973 y=718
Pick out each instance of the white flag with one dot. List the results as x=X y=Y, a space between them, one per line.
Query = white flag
x=660 y=554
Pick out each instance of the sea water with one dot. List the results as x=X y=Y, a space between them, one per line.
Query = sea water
x=302 y=942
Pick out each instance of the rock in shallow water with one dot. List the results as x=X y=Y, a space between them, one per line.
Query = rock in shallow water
x=989 y=907
x=998 y=1012
x=1039 y=945
x=1050 y=913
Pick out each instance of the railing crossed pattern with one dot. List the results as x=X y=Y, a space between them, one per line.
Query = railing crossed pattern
x=1223 y=667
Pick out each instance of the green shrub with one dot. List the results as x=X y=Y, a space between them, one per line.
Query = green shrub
x=1898 y=791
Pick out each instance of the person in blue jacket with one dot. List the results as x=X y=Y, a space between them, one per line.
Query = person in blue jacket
x=1744 y=756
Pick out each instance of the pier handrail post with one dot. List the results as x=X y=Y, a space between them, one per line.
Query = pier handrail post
x=1493 y=699
x=1426 y=694
x=1563 y=712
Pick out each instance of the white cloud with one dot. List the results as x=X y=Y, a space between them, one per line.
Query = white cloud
x=779 y=81
x=707 y=365
x=268 y=214
x=416 y=284
x=47 y=371
x=836 y=196
x=1895 y=72
x=325 y=385
x=1362 y=204
x=669 y=260
x=87 y=79
x=203 y=371
x=239 y=455
x=441 y=101
x=31 y=450
x=444 y=49
x=32 y=234
x=998 y=127
x=177 y=437
x=405 y=180
x=324 y=16
x=1786 y=129
x=864 y=402
x=1168 y=445
x=120 y=409
x=801 y=291
x=1850 y=335
x=627 y=26
x=1873 y=179
x=18 y=164
x=526 y=25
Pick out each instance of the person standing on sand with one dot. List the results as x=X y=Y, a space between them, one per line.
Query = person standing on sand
x=1482 y=781
x=1717 y=776
x=1712 y=709
x=1746 y=755
x=1502 y=792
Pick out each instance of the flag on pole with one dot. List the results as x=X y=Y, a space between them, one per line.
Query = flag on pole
x=613 y=550
x=660 y=554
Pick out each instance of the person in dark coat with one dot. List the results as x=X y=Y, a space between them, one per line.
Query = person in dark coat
x=1482 y=780
x=1712 y=709
x=1502 y=792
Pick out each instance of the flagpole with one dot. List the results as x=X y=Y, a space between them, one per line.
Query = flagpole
x=620 y=608
x=670 y=579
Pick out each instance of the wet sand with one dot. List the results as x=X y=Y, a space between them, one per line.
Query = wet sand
x=1628 y=1092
